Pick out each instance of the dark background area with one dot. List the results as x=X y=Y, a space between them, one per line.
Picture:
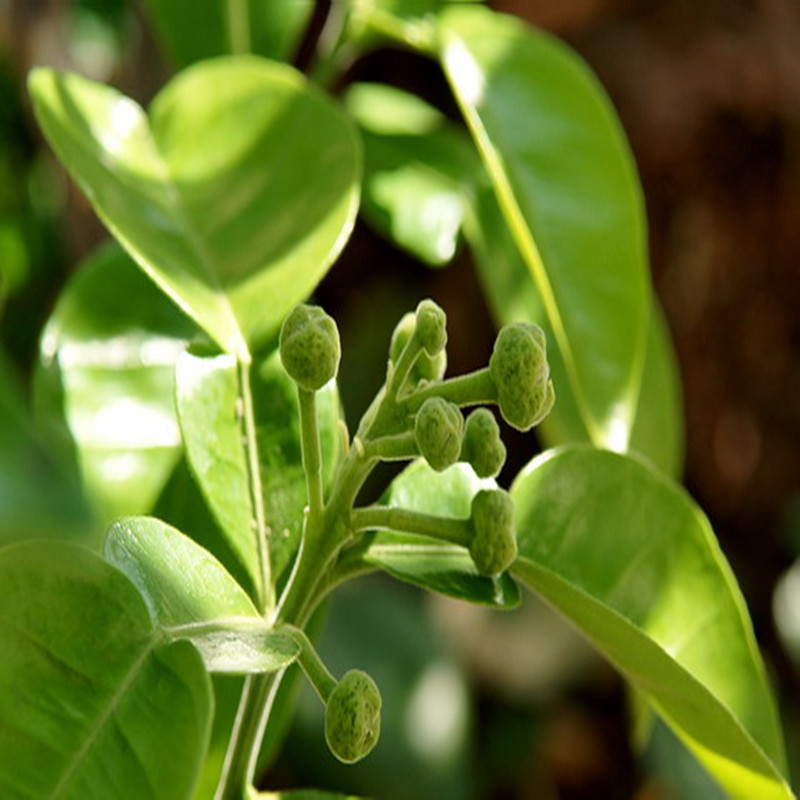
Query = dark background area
x=709 y=95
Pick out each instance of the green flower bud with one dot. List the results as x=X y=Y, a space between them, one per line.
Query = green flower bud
x=353 y=717
x=431 y=327
x=310 y=347
x=482 y=446
x=437 y=429
x=494 y=540
x=521 y=374
x=427 y=368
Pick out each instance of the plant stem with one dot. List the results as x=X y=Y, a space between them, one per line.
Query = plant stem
x=239 y=26
x=312 y=454
x=266 y=592
x=457 y=531
x=401 y=447
x=465 y=390
x=240 y=761
x=311 y=664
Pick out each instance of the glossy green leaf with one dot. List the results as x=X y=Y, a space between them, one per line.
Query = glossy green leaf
x=278 y=436
x=657 y=431
x=633 y=563
x=235 y=193
x=107 y=360
x=568 y=191
x=38 y=498
x=192 y=596
x=208 y=398
x=431 y=563
x=93 y=702
x=196 y=29
x=417 y=170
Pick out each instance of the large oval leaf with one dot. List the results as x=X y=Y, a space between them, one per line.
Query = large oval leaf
x=192 y=596
x=235 y=194
x=567 y=188
x=629 y=559
x=93 y=702
x=106 y=372
x=431 y=563
x=657 y=431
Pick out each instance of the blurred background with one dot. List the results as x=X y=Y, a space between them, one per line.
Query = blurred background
x=709 y=95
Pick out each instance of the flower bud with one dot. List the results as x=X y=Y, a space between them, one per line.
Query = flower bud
x=427 y=368
x=353 y=717
x=482 y=446
x=431 y=327
x=494 y=540
x=310 y=347
x=521 y=375
x=437 y=430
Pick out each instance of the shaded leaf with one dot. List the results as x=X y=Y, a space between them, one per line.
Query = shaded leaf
x=193 y=597
x=93 y=703
x=569 y=194
x=107 y=360
x=633 y=563
x=38 y=498
x=417 y=170
x=431 y=563
x=208 y=399
x=191 y=30
x=235 y=194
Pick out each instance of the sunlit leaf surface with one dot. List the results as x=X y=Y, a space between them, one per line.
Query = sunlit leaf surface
x=633 y=563
x=565 y=181
x=234 y=193
x=93 y=702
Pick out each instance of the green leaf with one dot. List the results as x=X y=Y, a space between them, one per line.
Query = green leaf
x=207 y=398
x=106 y=369
x=431 y=563
x=235 y=194
x=417 y=171
x=192 y=596
x=569 y=194
x=196 y=29
x=93 y=702
x=633 y=563
x=657 y=431
x=37 y=497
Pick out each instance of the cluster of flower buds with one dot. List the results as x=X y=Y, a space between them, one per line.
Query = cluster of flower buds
x=418 y=413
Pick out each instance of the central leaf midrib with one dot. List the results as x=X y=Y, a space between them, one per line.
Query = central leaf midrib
x=105 y=718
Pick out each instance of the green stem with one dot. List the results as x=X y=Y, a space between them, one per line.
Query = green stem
x=464 y=390
x=266 y=592
x=311 y=664
x=405 y=363
x=401 y=447
x=239 y=768
x=312 y=454
x=239 y=26
x=457 y=531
